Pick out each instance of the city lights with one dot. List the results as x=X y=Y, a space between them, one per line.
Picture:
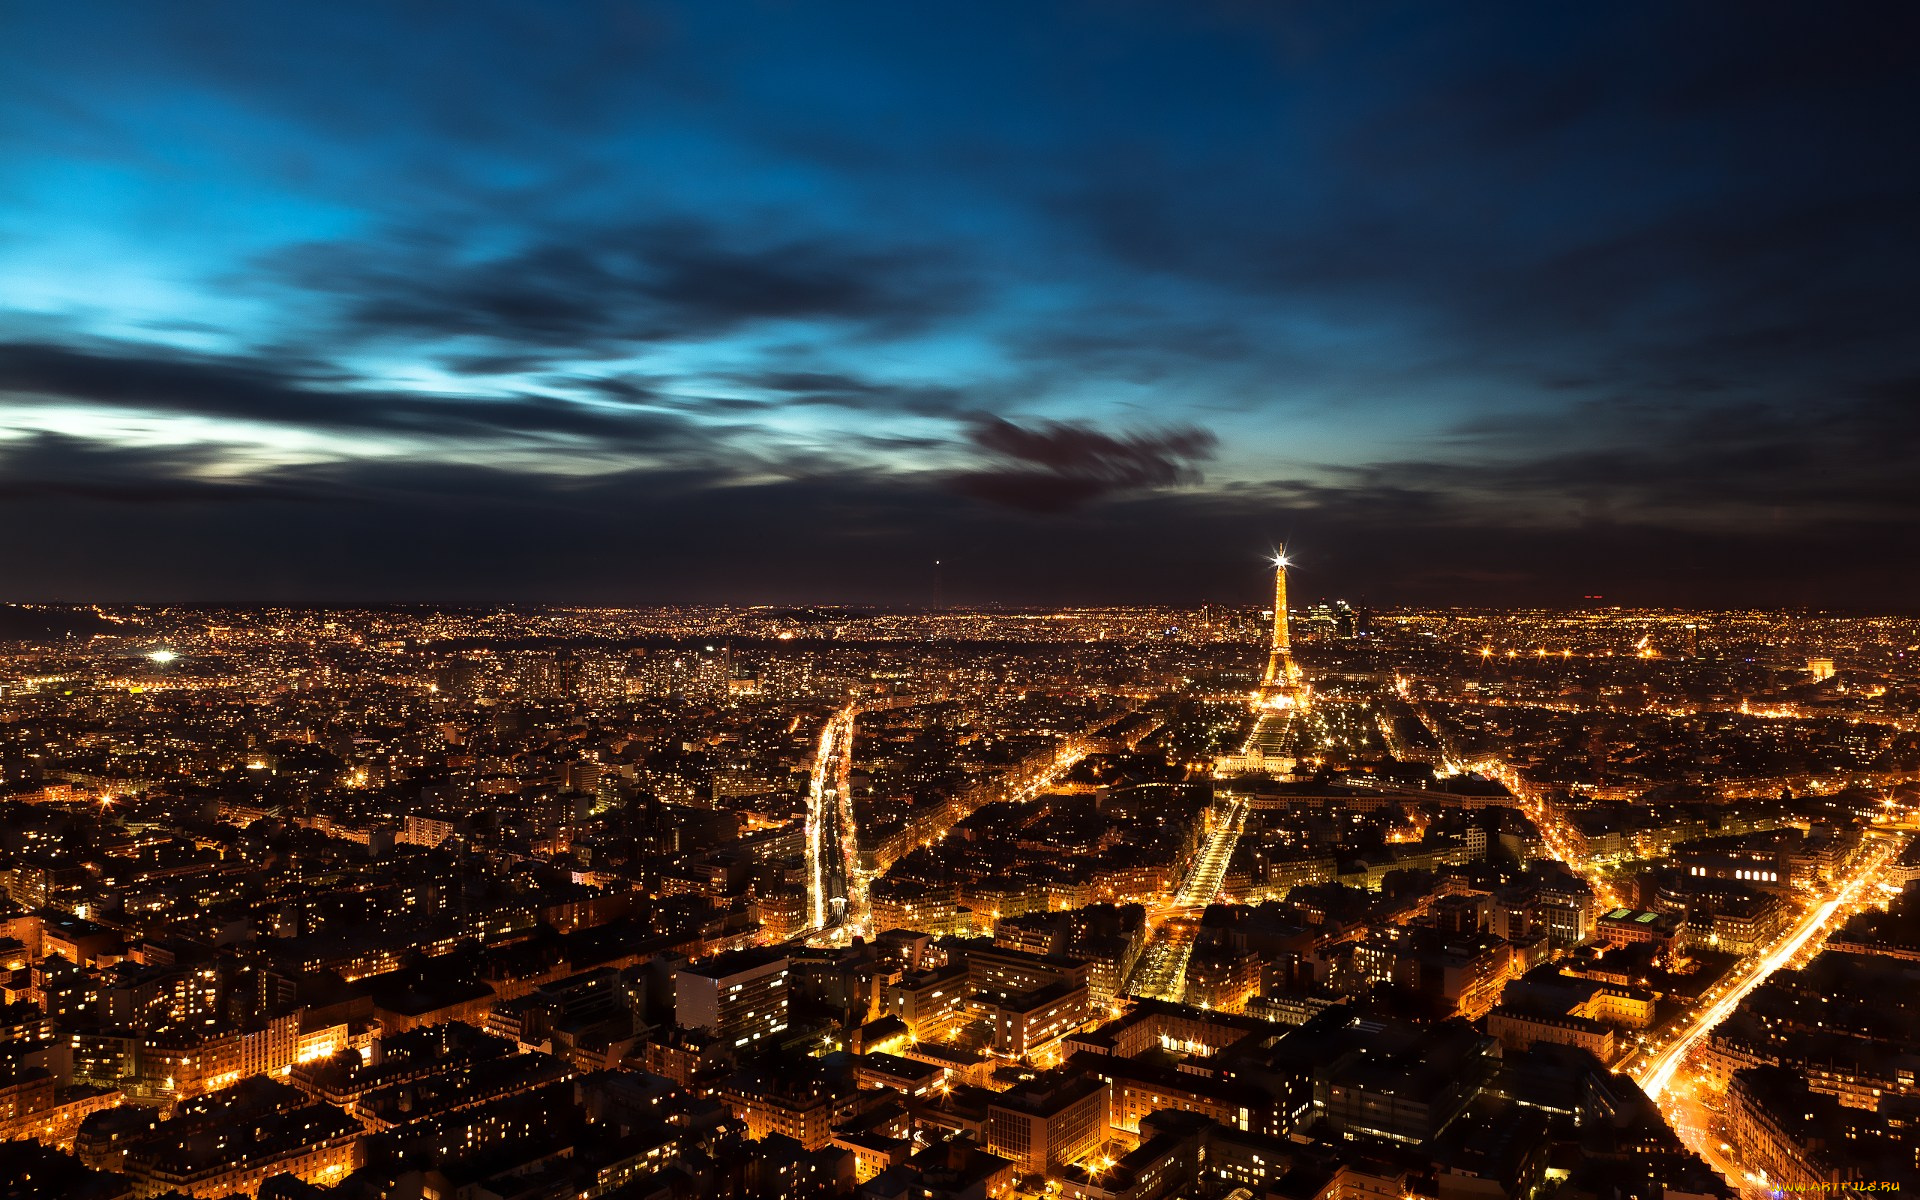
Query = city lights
x=1021 y=829
x=610 y=602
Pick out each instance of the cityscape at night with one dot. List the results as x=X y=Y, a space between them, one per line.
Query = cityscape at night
x=1061 y=600
x=1314 y=901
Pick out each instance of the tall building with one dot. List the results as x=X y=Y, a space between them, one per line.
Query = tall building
x=741 y=996
x=1052 y=1119
x=1281 y=686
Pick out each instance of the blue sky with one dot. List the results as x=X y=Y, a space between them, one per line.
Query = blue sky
x=779 y=302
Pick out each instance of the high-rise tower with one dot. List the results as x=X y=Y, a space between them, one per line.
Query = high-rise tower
x=1280 y=687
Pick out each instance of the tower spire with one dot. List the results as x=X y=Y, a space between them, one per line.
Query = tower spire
x=1282 y=639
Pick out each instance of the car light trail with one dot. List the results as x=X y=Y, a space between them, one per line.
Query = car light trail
x=830 y=832
x=1657 y=1072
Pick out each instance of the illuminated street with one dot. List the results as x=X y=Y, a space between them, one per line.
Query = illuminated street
x=831 y=841
x=1161 y=972
x=1660 y=1068
x=1210 y=865
x=1655 y=1072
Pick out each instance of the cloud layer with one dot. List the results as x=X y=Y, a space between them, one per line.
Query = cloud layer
x=1517 y=304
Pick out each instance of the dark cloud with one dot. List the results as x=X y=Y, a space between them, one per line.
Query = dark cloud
x=601 y=289
x=502 y=77
x=499 y=364
x=1647 y=269
x=1715 y=465
x=148 y=380
x=51 y=466
x=839 y=389
x=1634 y=197
x=1059 y=465
x=446 y=532
x=1138 y=346
x=1782 y=56
x=1769 y=296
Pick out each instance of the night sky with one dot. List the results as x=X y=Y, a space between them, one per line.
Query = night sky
x=1094 y=302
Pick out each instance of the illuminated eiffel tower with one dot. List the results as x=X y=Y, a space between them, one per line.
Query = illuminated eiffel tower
x=1282 y=686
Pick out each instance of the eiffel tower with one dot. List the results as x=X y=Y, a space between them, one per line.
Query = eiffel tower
x=1282 y=686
